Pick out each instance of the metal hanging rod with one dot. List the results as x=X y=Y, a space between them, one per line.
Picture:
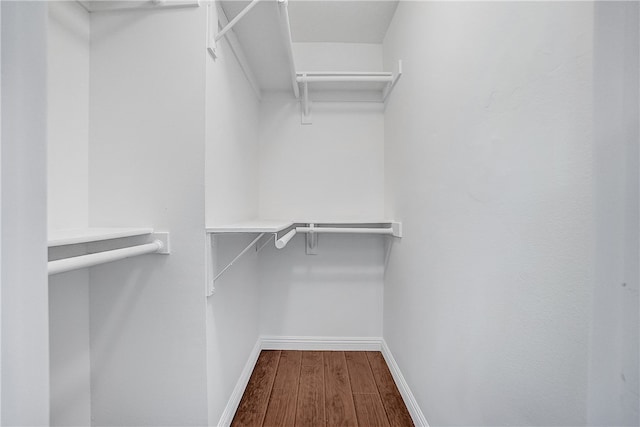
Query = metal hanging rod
x=150 y=5
x=305 y=78
x=344 y=77
x=160 y=246
x=345 y=230
x=395 y=230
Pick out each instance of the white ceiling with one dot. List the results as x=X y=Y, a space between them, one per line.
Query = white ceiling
x=360 y=21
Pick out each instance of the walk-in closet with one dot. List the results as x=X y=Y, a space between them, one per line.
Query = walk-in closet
x=428 y=210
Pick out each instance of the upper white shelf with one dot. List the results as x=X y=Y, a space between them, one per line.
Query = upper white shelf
x=88 y=235
x=265 y=45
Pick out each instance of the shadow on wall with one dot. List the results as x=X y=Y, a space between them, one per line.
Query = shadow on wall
x=613 y=378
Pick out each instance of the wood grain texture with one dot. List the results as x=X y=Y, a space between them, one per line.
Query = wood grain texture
x=312 y=358
x=321 y=389
x=310 y=411
x=340 y=410
x=394 y=406
x=369 y=410
x=360 y=374
x=281 y=410
x=253 y=405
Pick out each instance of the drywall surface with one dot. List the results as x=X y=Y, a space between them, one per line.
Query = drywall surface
x=331 y=169
x=336 y=293
x=489 y=165
x=232 y=140
x=68 y=115
x=231 y=195
x=25 y=332
x=67 y=203
x=146 y=163
x=69 y=356
x=345 y=57
x=613 y=373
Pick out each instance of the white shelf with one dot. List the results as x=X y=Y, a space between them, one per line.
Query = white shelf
x=276 y=226
x=266 y=24
x=339 y=81
x=88 y=235
x=252 y=226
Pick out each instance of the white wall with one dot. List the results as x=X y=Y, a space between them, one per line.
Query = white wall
x=613 y=373
x=336 y=293
x=25 y=351
x=69 y=357
x=67 y=185
x=232 y=140
x=346 y=57
x=489 y=165
x=146 y=163
x=231 y=173
x=68 y=113
x=332 y=169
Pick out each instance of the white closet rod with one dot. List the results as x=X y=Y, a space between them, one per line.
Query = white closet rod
x=345 y=230
x=83 y=261
x=346 y=78
x=153 y=5
x=282 y=242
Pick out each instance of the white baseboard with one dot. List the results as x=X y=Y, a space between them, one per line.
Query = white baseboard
x=321 y=343
x=412 y=405
x=230 y=410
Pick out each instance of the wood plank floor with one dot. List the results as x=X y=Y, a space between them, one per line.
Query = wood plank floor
x=321 y=388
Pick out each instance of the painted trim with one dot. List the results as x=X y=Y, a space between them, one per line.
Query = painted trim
x=412 y=405
x=321 y=343
x=241 y=385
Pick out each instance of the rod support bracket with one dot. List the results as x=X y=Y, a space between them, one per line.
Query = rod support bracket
x=312 y=241
x=162 y=237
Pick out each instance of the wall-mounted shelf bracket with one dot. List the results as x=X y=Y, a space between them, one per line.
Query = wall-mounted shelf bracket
x=311 y=246
x=244 y=251
x=211 y=45
x=305 y=111
x=387 y=90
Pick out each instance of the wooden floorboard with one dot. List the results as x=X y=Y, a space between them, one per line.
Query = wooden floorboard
x=340 y=410
x=370 y=410
x=360 y=374
x=281 y=410
x=310 y=411
x=253 y=405
x=321 y=389
x=394 y=406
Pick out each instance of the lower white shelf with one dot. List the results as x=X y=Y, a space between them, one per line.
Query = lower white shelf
x=158 y=244
x=88 y=235
x=310 y=228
